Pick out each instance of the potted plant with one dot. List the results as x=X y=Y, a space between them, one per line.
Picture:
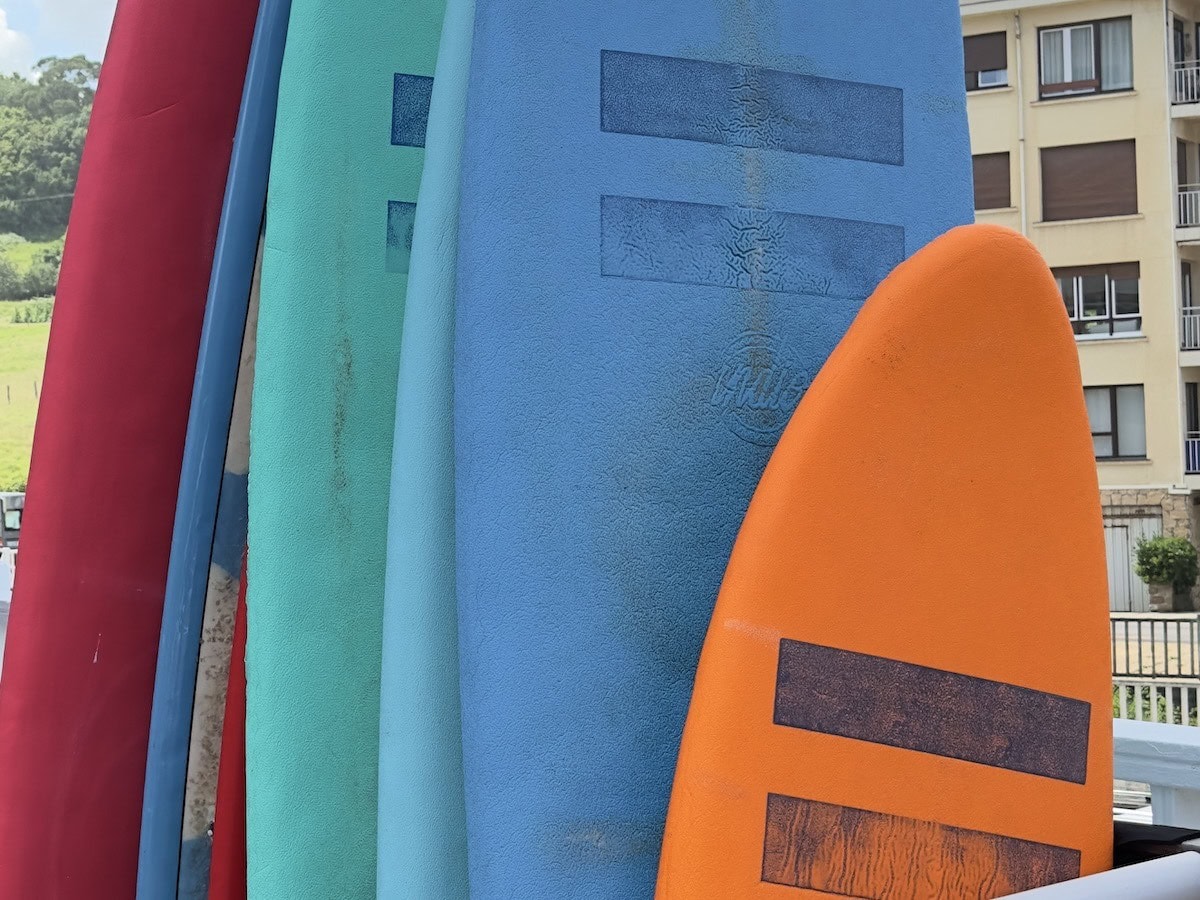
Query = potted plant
x=1168 y=565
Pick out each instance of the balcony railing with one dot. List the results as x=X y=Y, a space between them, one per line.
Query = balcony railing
x=1189 y=328
x=1187 y=82
x=1188 y=207
x=1191 y=453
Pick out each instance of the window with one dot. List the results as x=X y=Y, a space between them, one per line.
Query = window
x=1118 y=417
x=1086 y=181
x=12 y=519
x=992 y=182
x=1086 y=58
x=1101 y=300
x=986 y=57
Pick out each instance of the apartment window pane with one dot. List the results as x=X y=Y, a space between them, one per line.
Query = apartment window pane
x=1086 y=181
x=1087 y=57
x=1118 y=420
x=1125 y=296
x=992 y=183
x=1101 y=300
x=1054 y=60
x=1116 y=55
x=986 y=59
x=1082 y=54
x=1131 y=421
x=1094 y=297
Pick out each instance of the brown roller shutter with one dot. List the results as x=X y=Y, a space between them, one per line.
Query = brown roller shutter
x=991 y=181
x=985 y=52
x=1125 y=270
x=1085 y=181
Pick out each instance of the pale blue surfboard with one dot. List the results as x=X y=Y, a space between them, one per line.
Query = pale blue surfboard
x=670 y=213
x=422 y=824
x=345 y=170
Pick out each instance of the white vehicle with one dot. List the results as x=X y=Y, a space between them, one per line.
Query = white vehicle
x=12 y=506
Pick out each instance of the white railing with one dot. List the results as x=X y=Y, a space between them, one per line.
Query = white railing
x=1189 y=331
x=1191 y=453
x=1187 y=82
x=1188 y=207
x=1166 y=757
x=1171 y=701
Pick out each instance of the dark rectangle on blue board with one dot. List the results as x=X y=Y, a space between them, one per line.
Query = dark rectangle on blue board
x=899 y=704
x=742 y=247
x=410 y=109
x=750 y=106
x=401 y=217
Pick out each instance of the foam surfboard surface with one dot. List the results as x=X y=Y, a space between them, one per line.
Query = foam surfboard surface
x=670 y=214
x=874 y=621
x=79 y=668
x=422 y=819
x=227 y=874
x=345 y=172
x=210 y=516
x=217 y=634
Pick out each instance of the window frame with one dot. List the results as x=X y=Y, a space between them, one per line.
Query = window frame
x=975 y=84
x=1111 y=317
x=1093 y=85
x=1115 y=424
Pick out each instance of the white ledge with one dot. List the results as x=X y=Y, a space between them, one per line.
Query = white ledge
x=1157 y=754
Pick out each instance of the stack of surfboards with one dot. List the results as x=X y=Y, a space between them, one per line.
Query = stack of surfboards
x=502 y=309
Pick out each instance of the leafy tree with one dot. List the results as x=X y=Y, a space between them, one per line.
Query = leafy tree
x=43 y=121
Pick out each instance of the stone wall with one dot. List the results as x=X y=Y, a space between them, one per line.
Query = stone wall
x=1180 y=517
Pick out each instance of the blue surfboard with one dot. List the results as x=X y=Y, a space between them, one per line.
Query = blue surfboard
x=422 y=820
x=670 y=214
x=200 y=533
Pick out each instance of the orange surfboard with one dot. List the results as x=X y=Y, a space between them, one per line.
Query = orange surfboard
x=904 y=692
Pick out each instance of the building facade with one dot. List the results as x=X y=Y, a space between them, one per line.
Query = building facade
x=1085 y=131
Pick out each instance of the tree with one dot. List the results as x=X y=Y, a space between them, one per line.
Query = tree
x=43 y=121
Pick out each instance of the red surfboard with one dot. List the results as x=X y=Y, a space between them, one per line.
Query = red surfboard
x=83 y=634
x=227 y=878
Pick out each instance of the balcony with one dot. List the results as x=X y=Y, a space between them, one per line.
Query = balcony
x=1185 y=96
x=1191 y=453
x=1166 y=757
x=1189 y=328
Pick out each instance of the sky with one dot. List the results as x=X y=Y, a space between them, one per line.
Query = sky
x=32 y=29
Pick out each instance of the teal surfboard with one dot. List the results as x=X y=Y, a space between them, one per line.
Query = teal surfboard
x=422 y=824
x=346 y=166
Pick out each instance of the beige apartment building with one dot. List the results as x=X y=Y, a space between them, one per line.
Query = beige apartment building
x=1085 y=131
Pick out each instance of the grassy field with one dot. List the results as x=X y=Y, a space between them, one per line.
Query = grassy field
x=22 y=358
x=22 y=253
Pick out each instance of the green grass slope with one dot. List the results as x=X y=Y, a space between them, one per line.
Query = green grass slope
x=22 y=359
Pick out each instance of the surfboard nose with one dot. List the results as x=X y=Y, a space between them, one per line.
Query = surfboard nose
x=904 y=690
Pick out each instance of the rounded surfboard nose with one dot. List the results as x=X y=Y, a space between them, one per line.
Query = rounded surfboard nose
x=904 y=691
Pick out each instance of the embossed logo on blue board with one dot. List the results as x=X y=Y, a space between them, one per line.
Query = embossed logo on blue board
x=750 y=106
x=757 y=389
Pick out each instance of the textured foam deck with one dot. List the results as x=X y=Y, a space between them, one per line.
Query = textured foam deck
x=670 y=214
x=422 y=820
x=75 y=698
x=345 y=171
x=905 y=689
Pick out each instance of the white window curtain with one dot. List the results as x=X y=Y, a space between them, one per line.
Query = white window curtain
x=1053 y=61
x=1082 y=53
x=1131 y=420
x=1116 y=55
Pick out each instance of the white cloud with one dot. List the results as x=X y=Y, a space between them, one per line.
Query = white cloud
x=16 y=50
x=81 y=23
